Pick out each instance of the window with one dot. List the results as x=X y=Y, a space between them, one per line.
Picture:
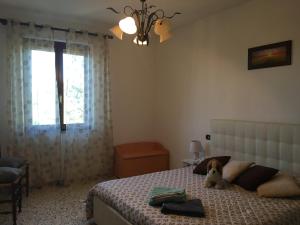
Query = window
x=73 y=89
x=43 y=88
x=57 y=77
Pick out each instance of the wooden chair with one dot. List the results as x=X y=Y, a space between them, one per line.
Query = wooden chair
x=11 y=190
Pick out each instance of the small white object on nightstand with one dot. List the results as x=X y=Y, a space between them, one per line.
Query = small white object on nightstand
x=196 y=149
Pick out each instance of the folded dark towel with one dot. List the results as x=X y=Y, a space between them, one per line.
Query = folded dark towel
x=192 y=208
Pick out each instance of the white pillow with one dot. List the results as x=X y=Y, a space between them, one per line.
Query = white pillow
x=281 y=185
x=234 y=168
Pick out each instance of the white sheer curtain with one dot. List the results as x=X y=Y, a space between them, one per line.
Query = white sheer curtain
x=83 y=143
x=85 y=150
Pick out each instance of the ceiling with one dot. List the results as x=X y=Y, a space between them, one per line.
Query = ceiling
x=95 y=10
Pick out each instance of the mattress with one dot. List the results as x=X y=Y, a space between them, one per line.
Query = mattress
x=232 y=205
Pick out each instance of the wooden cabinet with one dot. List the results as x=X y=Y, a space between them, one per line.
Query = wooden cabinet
x=140 y=158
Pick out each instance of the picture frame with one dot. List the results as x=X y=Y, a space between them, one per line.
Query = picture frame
x=272 y=55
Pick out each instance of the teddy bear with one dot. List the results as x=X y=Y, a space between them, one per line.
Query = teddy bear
x=214 y=175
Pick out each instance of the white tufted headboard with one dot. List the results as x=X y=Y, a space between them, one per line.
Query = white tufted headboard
x=270 y=144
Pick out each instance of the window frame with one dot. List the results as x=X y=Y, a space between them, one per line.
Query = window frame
x=59 y=48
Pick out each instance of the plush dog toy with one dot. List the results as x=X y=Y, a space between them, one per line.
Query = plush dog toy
x=214 y=175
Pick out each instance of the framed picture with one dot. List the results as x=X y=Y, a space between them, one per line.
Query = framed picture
x=278 y=54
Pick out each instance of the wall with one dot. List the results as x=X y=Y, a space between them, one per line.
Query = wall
x=202 y=73
x=132 y=85
x=132 y=70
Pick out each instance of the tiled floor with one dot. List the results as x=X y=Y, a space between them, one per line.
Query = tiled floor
x=53 y=205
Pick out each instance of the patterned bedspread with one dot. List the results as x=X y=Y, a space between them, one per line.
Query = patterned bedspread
x=230 y=206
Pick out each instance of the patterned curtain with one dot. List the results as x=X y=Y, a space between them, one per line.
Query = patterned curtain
x=84 y=150
x=83 y=144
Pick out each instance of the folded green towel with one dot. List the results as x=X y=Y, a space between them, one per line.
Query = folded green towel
x=160 y=195
x=158 y=191
x=174 y=199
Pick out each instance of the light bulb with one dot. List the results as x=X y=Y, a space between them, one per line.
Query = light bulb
x=138 y=42
x=127 y=25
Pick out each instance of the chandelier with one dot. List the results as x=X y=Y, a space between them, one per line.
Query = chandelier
x=139 y=22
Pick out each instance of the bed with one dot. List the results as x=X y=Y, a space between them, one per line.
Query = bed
x=124 y=201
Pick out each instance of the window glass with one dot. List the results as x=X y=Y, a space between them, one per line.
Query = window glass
x=43 y=88
x=73 y=89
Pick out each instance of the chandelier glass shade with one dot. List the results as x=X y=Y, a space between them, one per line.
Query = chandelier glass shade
x=140 y=23
x=127 y=25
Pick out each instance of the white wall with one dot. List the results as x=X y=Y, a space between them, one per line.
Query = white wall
x=133 y=85
x=202 y=73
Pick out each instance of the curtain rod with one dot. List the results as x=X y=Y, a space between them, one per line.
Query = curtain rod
x=106 y=36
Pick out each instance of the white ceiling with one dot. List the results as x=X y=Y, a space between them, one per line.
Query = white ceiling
x=95 y=10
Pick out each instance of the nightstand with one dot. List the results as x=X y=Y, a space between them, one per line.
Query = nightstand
x=190 y=162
